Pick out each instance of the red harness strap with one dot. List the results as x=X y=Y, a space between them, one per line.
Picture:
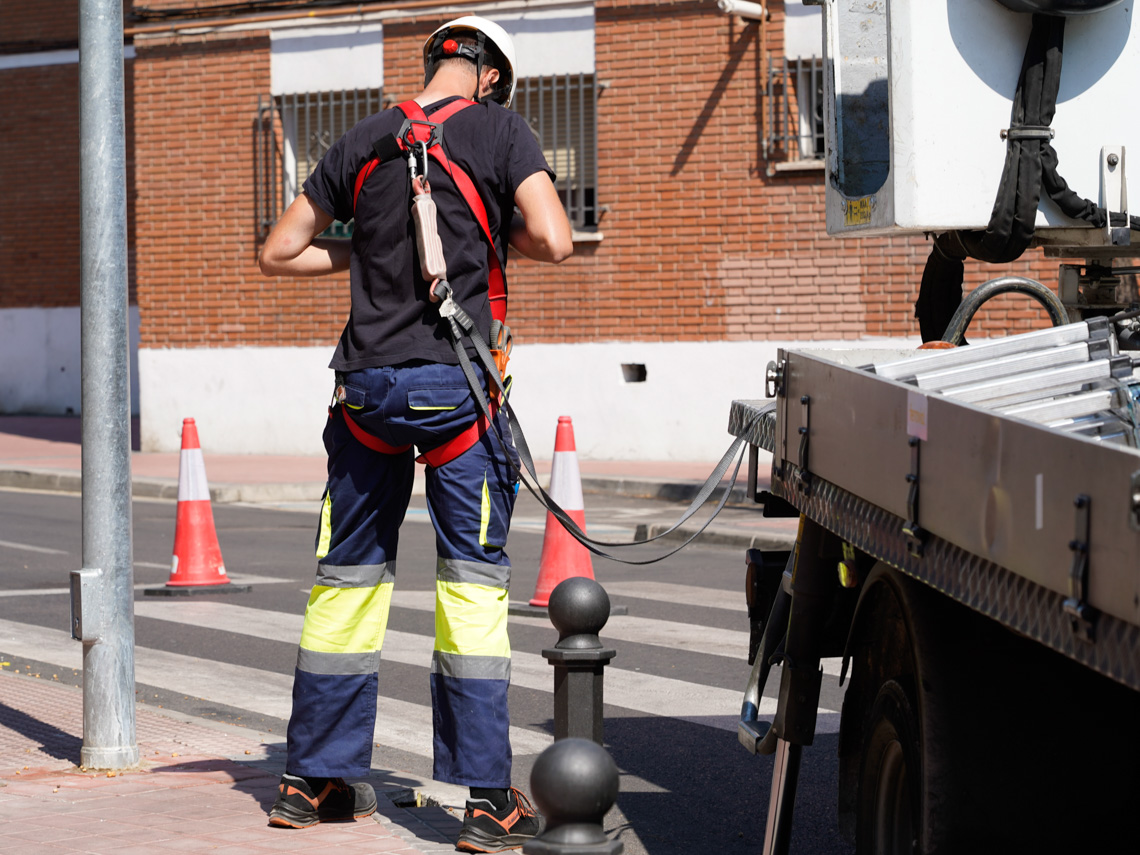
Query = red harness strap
x=368 y=440
x=455 y=446
x=437 y=456
x=496 y=282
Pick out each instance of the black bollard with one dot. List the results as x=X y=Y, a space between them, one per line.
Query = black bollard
x=574 y=783
x=579 y=608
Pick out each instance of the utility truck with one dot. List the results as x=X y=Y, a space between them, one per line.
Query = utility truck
x=969 y=537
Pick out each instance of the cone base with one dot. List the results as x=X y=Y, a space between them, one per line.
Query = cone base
x=521 y=609
x=185 y=590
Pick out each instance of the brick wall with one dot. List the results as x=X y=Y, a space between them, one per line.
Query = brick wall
x=197 y=233
x=25 y=26
x=700 y=242
x=39 y=150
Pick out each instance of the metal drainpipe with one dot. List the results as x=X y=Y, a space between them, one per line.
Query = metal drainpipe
x=104 y=619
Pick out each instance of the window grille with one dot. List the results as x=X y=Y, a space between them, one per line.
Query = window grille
x=561 y=112
x=794 y=110
x=294 y=131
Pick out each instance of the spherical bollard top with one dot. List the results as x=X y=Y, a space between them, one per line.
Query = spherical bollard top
x=575 y=783
x=579 y=608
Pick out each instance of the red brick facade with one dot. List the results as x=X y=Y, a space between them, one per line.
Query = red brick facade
x=700 y=242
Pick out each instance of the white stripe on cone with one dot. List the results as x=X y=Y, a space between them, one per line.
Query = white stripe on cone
x=192 y=485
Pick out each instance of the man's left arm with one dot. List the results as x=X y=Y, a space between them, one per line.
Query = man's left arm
x=293 y=248
x=543 y=232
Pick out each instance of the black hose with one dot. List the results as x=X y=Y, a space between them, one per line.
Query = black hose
x=956 y=329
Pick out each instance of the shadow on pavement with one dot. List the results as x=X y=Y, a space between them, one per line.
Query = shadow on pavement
x=53 y=741
x=710 y=795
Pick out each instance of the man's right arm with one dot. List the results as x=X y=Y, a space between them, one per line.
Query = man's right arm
x=293 y=248
x=544 y=231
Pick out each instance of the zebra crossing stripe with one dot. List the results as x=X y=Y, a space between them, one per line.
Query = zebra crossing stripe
x=634 y=690
x=400 y=724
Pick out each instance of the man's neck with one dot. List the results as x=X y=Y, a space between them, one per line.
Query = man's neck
x=445 y=85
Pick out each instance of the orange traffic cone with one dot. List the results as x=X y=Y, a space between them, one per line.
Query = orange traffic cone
x=196 y=567
x=563 y=556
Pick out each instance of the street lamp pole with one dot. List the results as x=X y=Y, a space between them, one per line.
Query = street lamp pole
x=103 y=592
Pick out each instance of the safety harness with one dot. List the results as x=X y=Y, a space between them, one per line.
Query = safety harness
x=420 y=135
x=418 y=140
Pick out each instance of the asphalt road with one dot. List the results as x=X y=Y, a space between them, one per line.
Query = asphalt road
x=672 y=691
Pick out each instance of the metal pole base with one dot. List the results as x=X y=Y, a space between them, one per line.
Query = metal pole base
x=539 y=846
x=123 y=757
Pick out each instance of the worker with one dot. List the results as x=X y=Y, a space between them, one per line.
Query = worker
x=399 y=384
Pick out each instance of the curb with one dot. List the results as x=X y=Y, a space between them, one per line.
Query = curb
x=640 y=488
x=662 y=489
x=718 y=536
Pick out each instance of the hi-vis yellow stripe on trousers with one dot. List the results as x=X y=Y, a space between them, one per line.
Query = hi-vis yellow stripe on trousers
x=325 y=536
x=346 y=620
x=471 y=619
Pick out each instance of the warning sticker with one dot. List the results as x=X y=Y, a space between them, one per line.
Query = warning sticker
x=857 y=212
x=916 y=415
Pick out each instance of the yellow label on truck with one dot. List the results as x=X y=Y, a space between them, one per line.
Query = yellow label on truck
x=857 y=212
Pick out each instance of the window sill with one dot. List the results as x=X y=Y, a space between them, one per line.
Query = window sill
x=586 y=237
x=798 y=166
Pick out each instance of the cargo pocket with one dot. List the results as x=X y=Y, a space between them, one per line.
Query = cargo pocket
x=495 y=513
x=437 y=399
x=439 y=409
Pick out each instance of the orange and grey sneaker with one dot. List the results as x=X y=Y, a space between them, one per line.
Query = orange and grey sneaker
x=302 y=802
x=488 y=830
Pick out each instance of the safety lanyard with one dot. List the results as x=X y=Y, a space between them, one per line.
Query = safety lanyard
x=460 y=325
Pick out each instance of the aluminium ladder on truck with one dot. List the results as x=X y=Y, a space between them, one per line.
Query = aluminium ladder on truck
x=1005 y=475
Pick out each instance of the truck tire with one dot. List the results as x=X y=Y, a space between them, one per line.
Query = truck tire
x=887 y=814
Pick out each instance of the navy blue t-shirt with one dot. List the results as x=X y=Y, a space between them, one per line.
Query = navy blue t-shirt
x=392 y=320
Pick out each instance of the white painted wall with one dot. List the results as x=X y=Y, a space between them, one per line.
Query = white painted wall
x=551 y=41
x=803 y=30
x=40 y=360
x=245 y=400
x=323 y=59
x=274 y=400
x=557 y=40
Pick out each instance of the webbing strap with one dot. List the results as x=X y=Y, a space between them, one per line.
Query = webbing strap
x=457 y=445
x=496 y=283
x=459 y=324
x=369 y=440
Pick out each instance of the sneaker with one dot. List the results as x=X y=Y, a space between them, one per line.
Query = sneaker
x=488 y=830
x=306 y=801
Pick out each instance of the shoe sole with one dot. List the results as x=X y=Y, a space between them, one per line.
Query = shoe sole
x=296 y=819
x=486 y=843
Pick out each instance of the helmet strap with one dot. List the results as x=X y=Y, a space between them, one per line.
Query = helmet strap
x=479 y=40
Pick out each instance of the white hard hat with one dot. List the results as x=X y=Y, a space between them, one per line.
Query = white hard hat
x=491 y=32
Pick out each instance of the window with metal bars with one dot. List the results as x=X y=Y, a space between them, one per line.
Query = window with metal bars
x=294 y=131
x=561 y=111
x=794 y=111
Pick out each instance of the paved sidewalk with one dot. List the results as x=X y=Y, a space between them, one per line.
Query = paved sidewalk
x=200 y=787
